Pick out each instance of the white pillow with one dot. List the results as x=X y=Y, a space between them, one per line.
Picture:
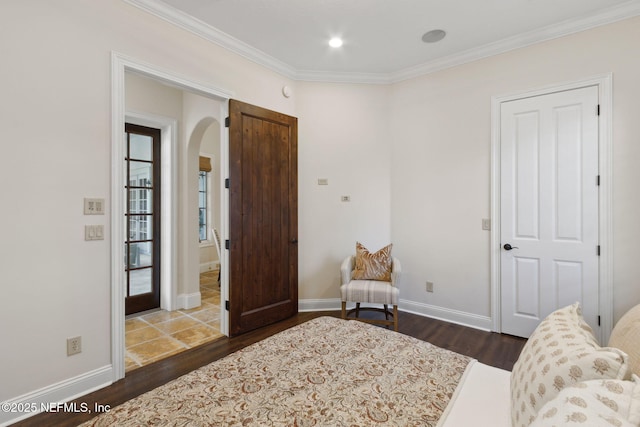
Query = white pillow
x=594 y=403
x=561 y=351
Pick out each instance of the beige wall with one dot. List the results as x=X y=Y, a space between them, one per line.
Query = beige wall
x=202 y=117
x=343 y=137
x=56 y=116
x=144 y=95
x=440 y=187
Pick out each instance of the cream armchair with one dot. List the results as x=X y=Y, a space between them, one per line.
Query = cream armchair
x=371 y=292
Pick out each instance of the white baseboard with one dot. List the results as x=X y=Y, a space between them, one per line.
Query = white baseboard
x=64 y=391
x=432 y=311
x=446 y=314
x=187 y=301
x=319 y=304
x=209 y=266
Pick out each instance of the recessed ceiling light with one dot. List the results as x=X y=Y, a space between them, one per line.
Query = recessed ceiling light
x=433 y=36
x=335 y=42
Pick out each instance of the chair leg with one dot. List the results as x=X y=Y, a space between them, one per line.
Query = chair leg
x=344 y=309
x=386 y=312
x=395 y=318
x=357 y=310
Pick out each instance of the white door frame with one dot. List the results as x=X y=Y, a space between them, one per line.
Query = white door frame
x=168 y=183
x=119 y=65
x=604 y=84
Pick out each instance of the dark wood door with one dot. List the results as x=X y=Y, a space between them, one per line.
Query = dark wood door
x=142 y=242
x=263 y=217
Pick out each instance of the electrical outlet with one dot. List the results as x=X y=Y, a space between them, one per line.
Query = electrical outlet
x=429 y=286
x=74 y=345
x=93 y=206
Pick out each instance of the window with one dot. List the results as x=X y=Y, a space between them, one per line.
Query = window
x=142 y=243
x=202 y=204
x=203 y=197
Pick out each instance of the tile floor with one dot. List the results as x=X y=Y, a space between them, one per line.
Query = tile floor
x=154 y=336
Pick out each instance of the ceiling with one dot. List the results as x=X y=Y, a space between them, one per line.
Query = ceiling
x=382 y=38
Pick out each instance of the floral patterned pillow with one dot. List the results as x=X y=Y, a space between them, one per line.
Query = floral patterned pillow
x=376 y=266
x=560 y=352
x=594 y=403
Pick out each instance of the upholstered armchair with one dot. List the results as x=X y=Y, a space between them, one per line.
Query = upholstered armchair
x=370 y=292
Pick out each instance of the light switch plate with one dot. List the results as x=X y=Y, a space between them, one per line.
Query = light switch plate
x=93 y=206
x=93 y=232
x=486 y=224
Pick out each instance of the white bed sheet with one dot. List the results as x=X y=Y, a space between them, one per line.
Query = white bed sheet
x=481 y=399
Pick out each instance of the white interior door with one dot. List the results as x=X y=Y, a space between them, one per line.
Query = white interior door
x=549 y=207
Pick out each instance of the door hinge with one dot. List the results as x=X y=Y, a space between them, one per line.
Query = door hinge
x=226 y=244
x=227 y=122
x=226 y=183
x=598 y=250
x=598 y=320
x=598 y=180
x=598 y=110
x=227 y=305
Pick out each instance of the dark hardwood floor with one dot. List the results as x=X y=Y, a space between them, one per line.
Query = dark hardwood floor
x=489 y=348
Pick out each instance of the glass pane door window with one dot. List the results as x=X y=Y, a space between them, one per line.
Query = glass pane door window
x=202 y=205
x=142 y=240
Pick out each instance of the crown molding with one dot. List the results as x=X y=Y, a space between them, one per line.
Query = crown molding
x=212 y=34
x=343 y=77
x=189 y=23
x=565 y=28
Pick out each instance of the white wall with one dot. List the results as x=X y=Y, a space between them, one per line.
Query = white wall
x=343 y=136
x=441 y=162
x=56 y=118
x=146 y=95
x=199 y=114
x=202 y=135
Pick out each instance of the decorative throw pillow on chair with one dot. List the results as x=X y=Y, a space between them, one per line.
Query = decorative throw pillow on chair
x=372 y=266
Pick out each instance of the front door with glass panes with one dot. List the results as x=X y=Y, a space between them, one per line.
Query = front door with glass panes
x=142 y=240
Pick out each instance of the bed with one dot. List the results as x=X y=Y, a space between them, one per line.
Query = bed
x=333 y=372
